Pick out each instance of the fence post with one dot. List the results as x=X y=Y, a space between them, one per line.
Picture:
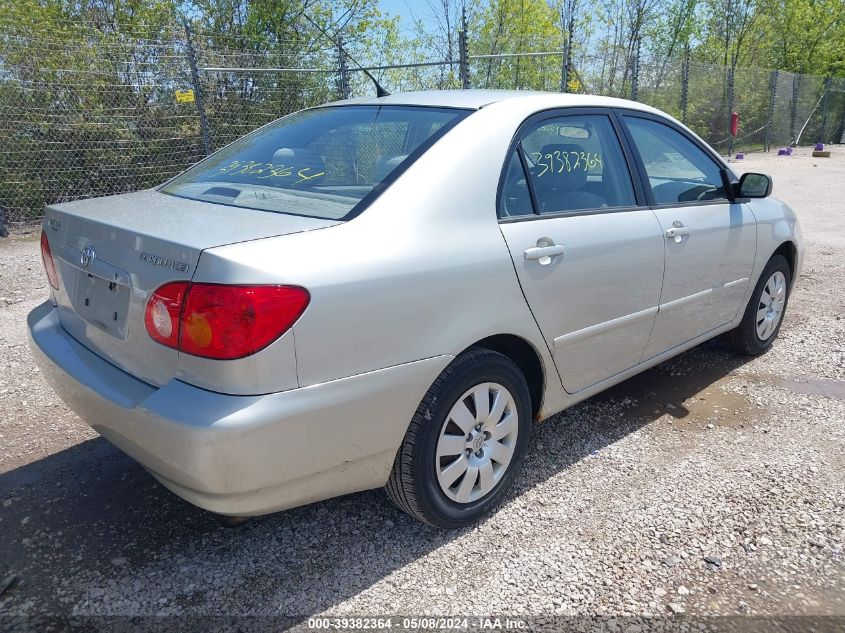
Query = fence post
x=730 y=109
x=767 y=145
x=342 y=70
x=463 y=52
x=567 y=48
x=793 y=115
x=635 y=71
x=685 y=85
x=828 y=85
x=564 y=70
x=195 y=80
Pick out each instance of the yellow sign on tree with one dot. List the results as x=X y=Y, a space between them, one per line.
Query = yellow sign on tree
x=185 y=96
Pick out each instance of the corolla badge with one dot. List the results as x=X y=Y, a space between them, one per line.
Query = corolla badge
x=87 y=255
x=158 y=260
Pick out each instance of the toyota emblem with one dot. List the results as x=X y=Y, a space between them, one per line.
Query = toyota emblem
x=87 y=255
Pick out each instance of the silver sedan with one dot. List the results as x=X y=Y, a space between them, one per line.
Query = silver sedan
x=390 y=291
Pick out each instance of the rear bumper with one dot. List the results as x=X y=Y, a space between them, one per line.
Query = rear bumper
x=242 y=455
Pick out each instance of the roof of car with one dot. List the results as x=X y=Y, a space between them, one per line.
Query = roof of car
x=477 y=98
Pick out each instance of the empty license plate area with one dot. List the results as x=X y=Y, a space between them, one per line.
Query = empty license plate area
x=99 y=293
x=102 y=303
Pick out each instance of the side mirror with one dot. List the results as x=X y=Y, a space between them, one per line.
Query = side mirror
x=753 y=186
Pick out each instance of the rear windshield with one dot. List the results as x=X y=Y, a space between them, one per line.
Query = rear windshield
x=326 y=163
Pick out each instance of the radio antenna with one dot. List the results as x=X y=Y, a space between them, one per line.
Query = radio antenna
x=380 y=92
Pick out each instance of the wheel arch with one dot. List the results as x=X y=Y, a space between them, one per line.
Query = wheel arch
x=789 y=250
x=526 y=357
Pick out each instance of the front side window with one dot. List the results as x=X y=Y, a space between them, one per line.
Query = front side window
x=318 y=163
x=575 y=163
x=677 y=169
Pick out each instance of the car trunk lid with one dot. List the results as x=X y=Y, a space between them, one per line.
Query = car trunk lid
x=111 y=253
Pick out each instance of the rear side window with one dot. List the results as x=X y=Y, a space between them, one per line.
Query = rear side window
x=677 y=169
x=575 y=163
x=320 y=163
x=516 y=199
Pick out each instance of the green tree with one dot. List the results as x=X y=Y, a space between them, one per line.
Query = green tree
x=509 y=26
x=806 y=36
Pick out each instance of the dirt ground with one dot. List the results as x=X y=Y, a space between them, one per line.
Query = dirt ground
x=709 y=485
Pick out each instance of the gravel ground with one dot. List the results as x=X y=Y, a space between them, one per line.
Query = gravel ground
x=710 y=485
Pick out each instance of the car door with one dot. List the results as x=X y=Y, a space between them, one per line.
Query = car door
x=587 y=250
x=710 y=241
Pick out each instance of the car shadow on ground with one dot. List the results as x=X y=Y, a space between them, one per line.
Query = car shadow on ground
x=89 y=516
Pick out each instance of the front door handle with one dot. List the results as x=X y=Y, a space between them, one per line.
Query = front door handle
x=677 y=232
x=544 y=254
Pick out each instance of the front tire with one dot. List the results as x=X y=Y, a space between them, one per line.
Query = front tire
x=466 y=442
x=764 y=313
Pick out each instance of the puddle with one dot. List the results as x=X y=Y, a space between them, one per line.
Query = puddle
x=695 y=398
x=689 y=392
x=829 y=387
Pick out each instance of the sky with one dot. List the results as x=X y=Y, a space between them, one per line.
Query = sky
x=405 y=9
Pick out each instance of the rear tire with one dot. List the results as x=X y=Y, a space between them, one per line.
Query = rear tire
x=473 y=425
x=764 y=313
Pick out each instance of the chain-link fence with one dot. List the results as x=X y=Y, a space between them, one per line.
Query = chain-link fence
x=86 y=113
x=90 y=112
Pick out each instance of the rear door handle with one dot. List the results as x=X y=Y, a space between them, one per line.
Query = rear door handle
x=544 y=254
x=677 y=232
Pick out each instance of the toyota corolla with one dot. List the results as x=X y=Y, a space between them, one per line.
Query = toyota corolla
x=389 y=292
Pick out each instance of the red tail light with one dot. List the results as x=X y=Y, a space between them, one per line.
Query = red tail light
x=163 y=313
x=49 y=265
x=221 y=321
